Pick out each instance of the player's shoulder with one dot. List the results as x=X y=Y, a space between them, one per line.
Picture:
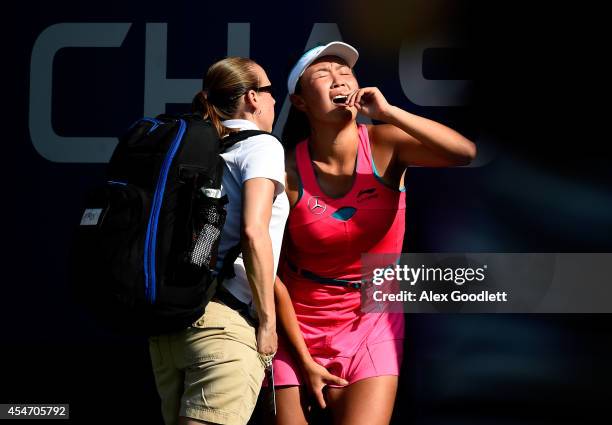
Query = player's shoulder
x=383 y=134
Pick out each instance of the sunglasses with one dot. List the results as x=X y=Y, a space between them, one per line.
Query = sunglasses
x=267 y=88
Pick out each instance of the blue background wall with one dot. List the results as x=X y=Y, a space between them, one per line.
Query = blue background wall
x=542 y=184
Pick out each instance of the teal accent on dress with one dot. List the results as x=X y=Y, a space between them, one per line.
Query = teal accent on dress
x=344 y=213
x=401 y=189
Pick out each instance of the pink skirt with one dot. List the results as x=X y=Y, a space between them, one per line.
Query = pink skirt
x=349 y=343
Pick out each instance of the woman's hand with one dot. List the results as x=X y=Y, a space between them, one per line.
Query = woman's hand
x=318 y=377
x=370 y=102
x=267 y=340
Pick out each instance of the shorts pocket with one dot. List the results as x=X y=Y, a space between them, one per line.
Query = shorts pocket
x=215 y=316
x=228 y=385
x=206 y=322
x=206 y=337
x=205 y=342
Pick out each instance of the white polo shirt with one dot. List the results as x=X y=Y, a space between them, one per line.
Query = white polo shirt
x=256 y=156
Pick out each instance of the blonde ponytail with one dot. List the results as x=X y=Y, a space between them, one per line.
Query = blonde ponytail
x=225 y=82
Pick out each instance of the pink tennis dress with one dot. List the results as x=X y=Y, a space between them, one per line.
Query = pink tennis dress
x=327 y=238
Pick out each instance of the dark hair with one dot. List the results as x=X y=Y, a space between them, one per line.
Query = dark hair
x=297 y=126
x=222 y=86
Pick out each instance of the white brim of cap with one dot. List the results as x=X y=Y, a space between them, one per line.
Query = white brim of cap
x=335 y=48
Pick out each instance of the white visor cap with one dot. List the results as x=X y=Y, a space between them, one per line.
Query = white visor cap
x=335 y=48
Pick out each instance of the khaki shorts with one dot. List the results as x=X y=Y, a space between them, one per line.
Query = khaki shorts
x=210 y=371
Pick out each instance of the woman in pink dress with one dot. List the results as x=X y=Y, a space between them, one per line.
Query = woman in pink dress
x=345 y=187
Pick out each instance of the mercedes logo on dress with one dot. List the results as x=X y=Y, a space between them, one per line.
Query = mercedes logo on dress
x=316 y=205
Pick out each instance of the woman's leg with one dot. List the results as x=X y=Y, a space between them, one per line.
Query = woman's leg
x=368 y=402
x=169 y=378
x=223 y=371
x=291 y=405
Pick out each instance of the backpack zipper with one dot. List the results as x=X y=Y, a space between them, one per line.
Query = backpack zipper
x=151 y=237
x=155 y=122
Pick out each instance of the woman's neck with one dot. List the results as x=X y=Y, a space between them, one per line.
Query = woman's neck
x=243 y=115
x=334 y=144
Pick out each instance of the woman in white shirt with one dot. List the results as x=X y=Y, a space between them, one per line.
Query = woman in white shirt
x=212 y=371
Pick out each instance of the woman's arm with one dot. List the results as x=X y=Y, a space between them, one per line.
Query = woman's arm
x=414 y=140
x=316 y=375
x=257 y=198
x=288 y=320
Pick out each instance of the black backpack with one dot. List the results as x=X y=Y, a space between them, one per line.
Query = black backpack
x=147 y=242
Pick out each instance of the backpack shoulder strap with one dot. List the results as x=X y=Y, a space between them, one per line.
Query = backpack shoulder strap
x=227 y=270
x=234 y=138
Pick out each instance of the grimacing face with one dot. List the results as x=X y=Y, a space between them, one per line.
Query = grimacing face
x=324 y=79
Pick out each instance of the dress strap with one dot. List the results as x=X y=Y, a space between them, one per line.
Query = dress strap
x=364 y=161
x=305 y=170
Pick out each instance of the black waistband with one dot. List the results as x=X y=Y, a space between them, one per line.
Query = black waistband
x=355 y=284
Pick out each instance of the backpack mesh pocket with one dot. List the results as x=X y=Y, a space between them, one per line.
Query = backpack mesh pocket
x=208 y=219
